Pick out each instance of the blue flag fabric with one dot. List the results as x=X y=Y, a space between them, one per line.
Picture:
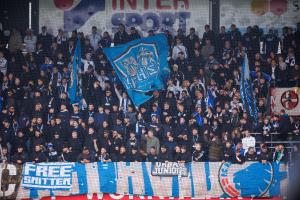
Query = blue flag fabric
x=141 y=65
x=266 y=76
x=210 y=99
x=246 y=91
x=74 y=89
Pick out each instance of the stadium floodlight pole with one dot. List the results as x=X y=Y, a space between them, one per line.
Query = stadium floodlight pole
x=214 y=15
x=210 y=13
x=30 y=14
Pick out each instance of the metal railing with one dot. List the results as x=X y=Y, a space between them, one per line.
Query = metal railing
x=288 y=144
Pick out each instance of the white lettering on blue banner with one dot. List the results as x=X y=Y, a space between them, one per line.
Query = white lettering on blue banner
x=56 y=176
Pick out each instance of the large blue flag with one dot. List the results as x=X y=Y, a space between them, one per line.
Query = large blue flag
x=246 y=91
x=74 y=91
x=141 y=65
x=210 y=99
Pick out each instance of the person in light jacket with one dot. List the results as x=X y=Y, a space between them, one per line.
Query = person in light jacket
x=151 y=141
x=248 y=141
x=30 y=41
x=179 y=47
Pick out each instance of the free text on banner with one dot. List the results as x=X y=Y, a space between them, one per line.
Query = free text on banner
x=197 y=180
x=56 y=176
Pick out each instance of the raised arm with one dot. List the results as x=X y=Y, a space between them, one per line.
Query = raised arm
x=117 y=92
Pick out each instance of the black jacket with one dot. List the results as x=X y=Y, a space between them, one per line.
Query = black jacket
x=265 y=156
x=152 y=158
x=199 y=156
x=120 y=38
x=19 y=156
x=38 y=157
x=228 y=154
x=117 y=157
x=250 y=157
x=185 y=157
x=135 y=157
x=162 y=157
x=76 y=145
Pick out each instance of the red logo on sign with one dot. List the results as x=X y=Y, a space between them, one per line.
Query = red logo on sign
x=289 y=99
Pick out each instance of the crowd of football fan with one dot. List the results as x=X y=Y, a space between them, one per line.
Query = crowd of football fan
x=178 y=124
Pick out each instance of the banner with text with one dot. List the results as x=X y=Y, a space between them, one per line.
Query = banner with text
x=130 y=197
x=203 y=180
x=56 y=176
x=145 y=15
x=169 y=169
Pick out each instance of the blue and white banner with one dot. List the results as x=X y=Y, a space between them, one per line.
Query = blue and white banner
x=196 y=180
x=246 y=91
x=52 y=176
x=75 y=93
x=141 y=65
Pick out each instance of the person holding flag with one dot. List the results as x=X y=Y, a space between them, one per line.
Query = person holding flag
x=75 y=90
x=210 y=98
x=246 y=91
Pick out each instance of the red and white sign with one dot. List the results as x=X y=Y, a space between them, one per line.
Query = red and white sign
x=287 y=99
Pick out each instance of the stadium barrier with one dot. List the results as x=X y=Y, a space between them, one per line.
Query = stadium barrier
x=197 y=180
x=131 y=197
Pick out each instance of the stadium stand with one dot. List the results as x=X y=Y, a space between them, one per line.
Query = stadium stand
x=198 y=117
x=139 y=99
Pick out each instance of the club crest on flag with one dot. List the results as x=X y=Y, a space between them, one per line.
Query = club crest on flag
x=138 y=64
x=141 y=65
